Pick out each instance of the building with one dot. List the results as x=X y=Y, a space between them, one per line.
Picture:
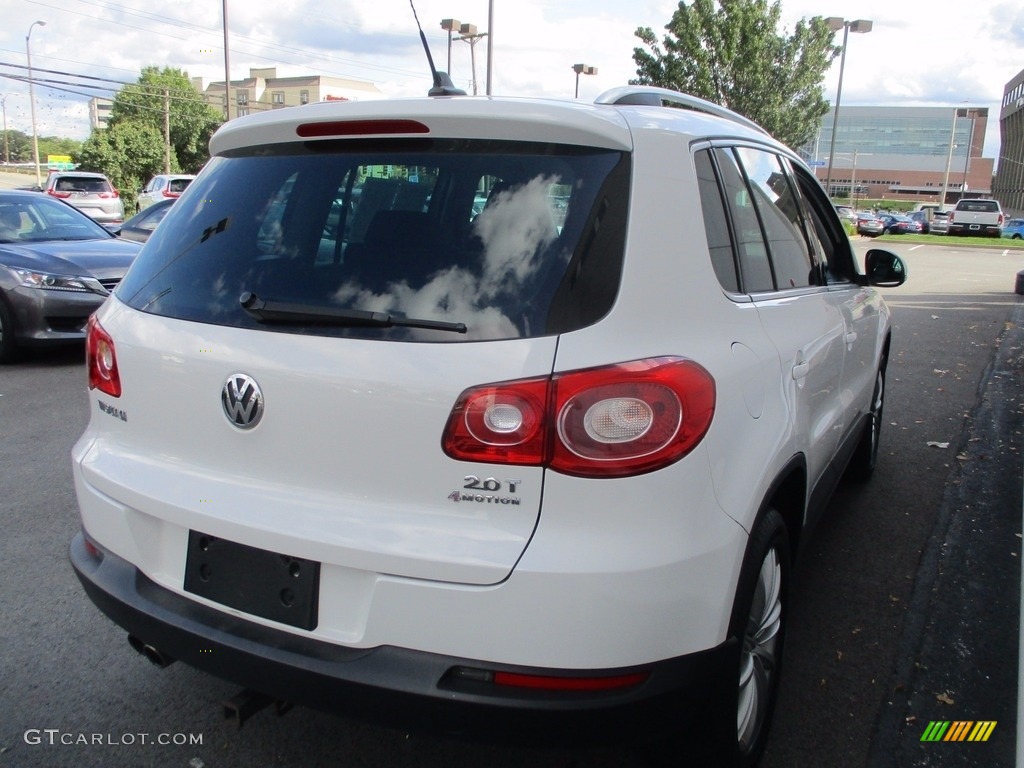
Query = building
x=99 y=112
x=264 y=90
x=904 y=153
x=1009 y=184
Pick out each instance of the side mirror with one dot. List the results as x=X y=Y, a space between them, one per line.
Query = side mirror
x=885 y=269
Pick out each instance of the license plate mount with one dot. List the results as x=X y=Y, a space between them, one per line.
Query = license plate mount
x=267 y=584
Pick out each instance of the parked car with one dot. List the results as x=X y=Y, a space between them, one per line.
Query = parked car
x=163 y=187
x=898 y=224
x=140 y=226
x=939 y=223
x=921 y=217
x=846 y=213
x=394 y=459
x=869 y=225
x=91 y=193
x=977 y=217
x=57 y=266
x=1014 y=229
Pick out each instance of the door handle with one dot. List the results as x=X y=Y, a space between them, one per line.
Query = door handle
x=801 y=366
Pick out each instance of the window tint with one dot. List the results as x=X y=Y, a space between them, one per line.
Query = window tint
x=81 y=184
x=716 y=222
x=399 y=228
x=779 y=210
x=978 y=206
x=755 y=269
x=829 y=241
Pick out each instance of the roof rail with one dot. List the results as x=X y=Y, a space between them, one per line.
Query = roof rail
x=649 y=95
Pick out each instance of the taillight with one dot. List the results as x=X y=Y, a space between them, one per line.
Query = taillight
x=101 y=360
x=111 y=194
x=613 y=421
x=168 y=193
x=61 y=195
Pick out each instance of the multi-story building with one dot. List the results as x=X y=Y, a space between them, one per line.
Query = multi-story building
x=904 y=153
x=99 y=112
x=264 y=90
x=1009 y=183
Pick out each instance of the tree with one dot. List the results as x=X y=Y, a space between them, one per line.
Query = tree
x=192 y=120
x=19 y=145
x=730 y=52
x=128 y=152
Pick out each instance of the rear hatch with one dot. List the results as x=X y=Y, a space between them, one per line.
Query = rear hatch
x=358 y=286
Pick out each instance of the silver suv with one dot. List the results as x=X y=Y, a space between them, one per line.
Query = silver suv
x=483 y=412
x=91 y=193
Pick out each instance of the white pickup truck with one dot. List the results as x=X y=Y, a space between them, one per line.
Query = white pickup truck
x=977 y=217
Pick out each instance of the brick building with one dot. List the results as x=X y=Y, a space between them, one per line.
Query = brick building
x=1009 y=185
x=904 y=153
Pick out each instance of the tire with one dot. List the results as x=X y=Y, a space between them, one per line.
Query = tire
x=732 y=729
x=759 y=622
x=865 y=455
x=9 y=351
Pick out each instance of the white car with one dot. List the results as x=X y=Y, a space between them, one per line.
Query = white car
x=163 y=187
x=357 y=444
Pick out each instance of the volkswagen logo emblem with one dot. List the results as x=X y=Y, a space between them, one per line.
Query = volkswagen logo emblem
x=242 y=401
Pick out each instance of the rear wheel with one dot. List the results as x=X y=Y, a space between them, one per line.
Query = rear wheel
x=732 y=728
x=865 y=455
x=759 y=623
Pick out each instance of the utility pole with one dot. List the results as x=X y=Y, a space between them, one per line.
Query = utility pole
x=167 y=131
x=227 y=67
x=3 y=104
x=471 y=36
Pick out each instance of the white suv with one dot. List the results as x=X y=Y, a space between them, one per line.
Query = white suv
x=162 y=187
x=357 y=444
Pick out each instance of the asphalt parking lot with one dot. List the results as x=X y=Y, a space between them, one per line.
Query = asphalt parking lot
x=906 y=611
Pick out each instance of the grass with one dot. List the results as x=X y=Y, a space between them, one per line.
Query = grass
x=975 y=242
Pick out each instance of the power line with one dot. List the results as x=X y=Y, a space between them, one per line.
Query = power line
x=262 y=44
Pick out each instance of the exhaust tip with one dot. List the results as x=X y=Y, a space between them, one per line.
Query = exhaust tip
x=156 y=657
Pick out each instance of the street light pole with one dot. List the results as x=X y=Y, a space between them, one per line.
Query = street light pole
x=836 y=23
x=32 y=101
x=582 y=69
x=449 y=26
x=970 y=149
x=949 y=159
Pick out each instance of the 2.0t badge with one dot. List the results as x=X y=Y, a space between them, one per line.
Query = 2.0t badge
x=242 y=401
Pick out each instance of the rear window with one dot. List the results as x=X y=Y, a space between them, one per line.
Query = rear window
x=978 y=206
x=81 y=184
x=178 y=185
x=510 y=239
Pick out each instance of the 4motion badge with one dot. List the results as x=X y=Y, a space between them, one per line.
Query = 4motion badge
x=487 y=491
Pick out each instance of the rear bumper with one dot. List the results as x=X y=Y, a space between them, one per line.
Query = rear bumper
x=401 y=687
x=983 y=230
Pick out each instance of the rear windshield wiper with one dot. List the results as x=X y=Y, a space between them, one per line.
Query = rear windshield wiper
x=284 y=313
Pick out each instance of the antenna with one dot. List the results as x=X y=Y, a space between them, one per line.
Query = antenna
x=443 y=85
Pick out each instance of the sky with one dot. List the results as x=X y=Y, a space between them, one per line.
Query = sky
x=947 y=53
